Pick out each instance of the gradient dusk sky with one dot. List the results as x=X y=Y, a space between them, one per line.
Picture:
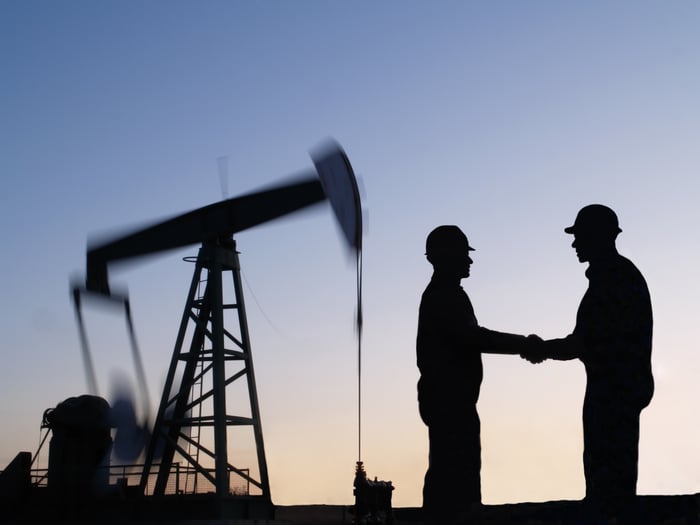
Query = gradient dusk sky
x=503 y=117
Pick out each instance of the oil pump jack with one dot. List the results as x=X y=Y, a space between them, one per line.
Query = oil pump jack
x=195 y=422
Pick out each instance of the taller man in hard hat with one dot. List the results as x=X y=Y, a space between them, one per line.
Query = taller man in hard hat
x=612 y=338
x=449 y=346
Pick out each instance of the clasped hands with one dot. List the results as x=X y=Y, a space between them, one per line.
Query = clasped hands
x=534 y=349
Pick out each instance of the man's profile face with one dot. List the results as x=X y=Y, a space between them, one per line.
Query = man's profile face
x=581 y=245
x=465 y=262
x=455 y=260
x=587 y=245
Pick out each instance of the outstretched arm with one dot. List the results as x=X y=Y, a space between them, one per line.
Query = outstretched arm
x=569 y=347
x=493 y=342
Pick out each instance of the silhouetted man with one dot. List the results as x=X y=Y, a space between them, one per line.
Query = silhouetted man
x=612 y=338
x=449 y=346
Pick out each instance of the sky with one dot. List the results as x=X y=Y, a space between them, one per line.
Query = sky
x=504 y=118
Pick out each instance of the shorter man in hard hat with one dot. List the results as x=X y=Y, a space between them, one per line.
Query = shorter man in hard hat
x=449 y=346
x=612 y=338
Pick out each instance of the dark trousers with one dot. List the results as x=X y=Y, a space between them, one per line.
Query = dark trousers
x=453 y=480
x=610 y=455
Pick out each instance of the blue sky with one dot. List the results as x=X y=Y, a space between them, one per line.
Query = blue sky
x=502 y=117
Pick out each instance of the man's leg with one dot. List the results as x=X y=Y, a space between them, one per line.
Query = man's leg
x=611 y=445
x=453 y=480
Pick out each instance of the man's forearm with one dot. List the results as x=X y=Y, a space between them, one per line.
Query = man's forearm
x=569 y=347
x=492 y=342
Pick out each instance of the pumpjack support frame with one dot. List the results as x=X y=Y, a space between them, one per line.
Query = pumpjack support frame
x=213 y=351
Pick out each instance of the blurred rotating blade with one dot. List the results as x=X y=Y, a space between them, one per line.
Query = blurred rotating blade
x=340 y=186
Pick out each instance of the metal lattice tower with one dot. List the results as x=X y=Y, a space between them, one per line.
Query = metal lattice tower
x=217 y=360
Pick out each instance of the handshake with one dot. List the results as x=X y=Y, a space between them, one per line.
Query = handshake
x=534 y=349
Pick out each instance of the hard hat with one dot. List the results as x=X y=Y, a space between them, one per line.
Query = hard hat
x=444 y=239
x=595 y=218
